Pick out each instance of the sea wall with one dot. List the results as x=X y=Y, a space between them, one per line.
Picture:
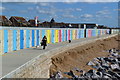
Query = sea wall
x=39 y=67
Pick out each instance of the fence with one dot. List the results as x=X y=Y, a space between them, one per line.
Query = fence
x=115 y=31
x=12 y=39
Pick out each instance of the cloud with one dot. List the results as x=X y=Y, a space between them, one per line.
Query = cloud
x=103 y=12
x=86 y=19
x=45 y=11
x=70 y=1
x=67 y=1
x=78 y=9
x=46 y=8
x=44 y=4
x=30 y=8
x=52 y=11
x=65 y=10
x=68 y=16
x=97 y=16
x=37 y=7
x=105 y=7
x=53 y=16
x=107 y=16
x=2 y=8
x=102 y=16
x=23 y=11
x=116 y=10
x=69 y=9
x=86 y=16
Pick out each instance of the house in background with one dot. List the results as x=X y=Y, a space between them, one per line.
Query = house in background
x=44 y=24
x=16 y=21
x=102 y=27
x=66 y=25
x=53 y=25
x=19 y=21
x=88 y=25
x=4 y=21
x=32 y=22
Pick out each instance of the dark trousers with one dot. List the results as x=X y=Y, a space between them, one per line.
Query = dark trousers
x=43 y=46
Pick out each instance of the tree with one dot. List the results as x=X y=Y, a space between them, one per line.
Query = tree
x=51 y=22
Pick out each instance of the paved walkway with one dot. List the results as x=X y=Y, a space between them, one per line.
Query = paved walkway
x=13 y=60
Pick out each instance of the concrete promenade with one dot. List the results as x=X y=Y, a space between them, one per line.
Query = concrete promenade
x=13 y=60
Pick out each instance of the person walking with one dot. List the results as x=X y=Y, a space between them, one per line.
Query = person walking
x=110 y=31
x=44 y=42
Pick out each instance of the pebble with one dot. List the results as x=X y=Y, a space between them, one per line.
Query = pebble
x=90 y=63
x=106 y=67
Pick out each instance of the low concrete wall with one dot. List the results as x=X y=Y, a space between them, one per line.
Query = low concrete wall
x=39 y=66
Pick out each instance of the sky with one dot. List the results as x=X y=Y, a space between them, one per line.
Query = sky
x=103 y=13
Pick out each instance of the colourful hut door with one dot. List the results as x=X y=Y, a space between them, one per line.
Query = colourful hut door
x=5 y=41
x=21 y=39
x=53 y=36
x=37 y=38
x=14 y=40
x=28 y=38
x=33 y=35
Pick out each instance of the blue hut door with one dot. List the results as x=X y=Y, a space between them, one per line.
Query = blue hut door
x=28 y=38
x=33 y=35
x=53 y=36
x=14 y=40
x=5 y=41
x=37 y=37
x=21 y=39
